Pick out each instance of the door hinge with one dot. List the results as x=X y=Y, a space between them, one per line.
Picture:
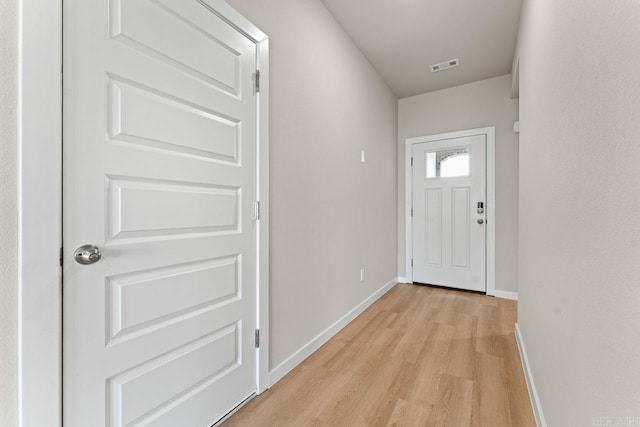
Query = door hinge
x=411 y=262
x=411 y=211
x=257 y=81
x=256 y=210
x=412 y=162
x=60 y=257
x=257 y=338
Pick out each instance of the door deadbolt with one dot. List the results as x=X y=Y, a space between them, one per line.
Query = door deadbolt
x=87 y=254
x=481 y=221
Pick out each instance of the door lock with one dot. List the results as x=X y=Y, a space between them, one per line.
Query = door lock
x=481 y=221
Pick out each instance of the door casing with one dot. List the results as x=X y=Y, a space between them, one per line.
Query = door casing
x=489 y=133
x=40 y=206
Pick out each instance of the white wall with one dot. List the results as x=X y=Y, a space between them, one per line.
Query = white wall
x=579 y=269
x=330 y=214
x=8 y=212
x=474 y=105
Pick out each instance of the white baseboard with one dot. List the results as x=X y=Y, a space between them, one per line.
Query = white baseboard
x=506 y=295
x=404 y=280
x=306 y=350
x=533 y=394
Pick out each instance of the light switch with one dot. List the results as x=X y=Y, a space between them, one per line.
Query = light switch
x=362 y=156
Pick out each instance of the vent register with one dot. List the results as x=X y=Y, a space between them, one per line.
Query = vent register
x=445 y=65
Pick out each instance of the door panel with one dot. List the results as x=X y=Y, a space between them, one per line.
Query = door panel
x=448 y=242
x=155 y=209
x=158 y=385
x=164 y=29
x=434 y=226
x=139 y=115
x=179 y=292
x=460 y=239
x=159 y=173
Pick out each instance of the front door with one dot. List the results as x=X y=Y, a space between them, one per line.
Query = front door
x=159 y=177
x=449 y=212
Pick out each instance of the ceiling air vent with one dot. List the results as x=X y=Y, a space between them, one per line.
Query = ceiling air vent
x=445 y=65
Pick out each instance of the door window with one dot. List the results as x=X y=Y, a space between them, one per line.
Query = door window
x=448 y=163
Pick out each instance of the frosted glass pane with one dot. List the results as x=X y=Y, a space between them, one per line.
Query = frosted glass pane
x=448 y=163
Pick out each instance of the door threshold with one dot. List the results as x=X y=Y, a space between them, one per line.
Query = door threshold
x=448 y=287
x=234 y=410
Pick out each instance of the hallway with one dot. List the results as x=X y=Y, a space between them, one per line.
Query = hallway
x=419 y=356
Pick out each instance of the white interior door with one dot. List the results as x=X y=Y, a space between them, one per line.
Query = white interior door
x=160 y=175
x=449 y=213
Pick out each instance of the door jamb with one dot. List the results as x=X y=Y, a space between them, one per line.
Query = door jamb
x=40 y=206
x=490 y=134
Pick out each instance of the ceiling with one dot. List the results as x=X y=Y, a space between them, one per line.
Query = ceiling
x=402 y=38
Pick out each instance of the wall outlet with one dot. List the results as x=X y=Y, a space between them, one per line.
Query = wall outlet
x=362 y=275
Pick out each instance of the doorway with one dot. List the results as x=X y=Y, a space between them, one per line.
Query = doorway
x=153 y=214
x=450 y=204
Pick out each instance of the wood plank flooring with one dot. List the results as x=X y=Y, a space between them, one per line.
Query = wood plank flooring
x=419 y=356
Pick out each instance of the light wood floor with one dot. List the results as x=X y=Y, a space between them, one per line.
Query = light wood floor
x=419 y=356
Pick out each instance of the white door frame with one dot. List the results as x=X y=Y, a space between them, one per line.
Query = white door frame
x=490 y=134
x=40 y=206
